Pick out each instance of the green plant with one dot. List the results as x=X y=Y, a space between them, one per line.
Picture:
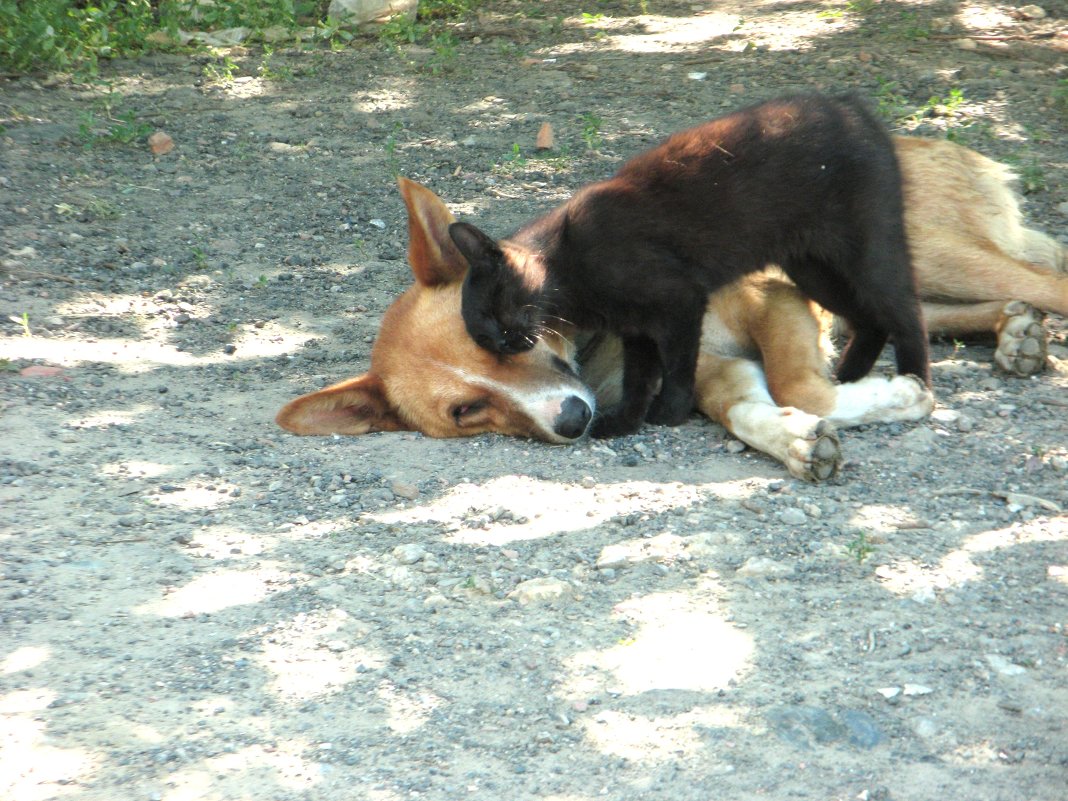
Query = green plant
x=860 y=6
x=443 y=58
x=329 y=30
x=445 y=9
x=271 y=73
x=515 y=158
x=591 y=19
x=220 y=71
x=392 y=162
x=507 y=49
x=200 y=257
x=105 y=123
x=60 y=35
x=399 y=30
x=908 y=26
x=891 y=104
x=1032 y=177
x=860 y=547
x=24 y=320
x=591 y=131
x=125 y=128
x=92 y=209
x=68 y=35
x=120 y=129
x=943 y=106
x=1058 y=96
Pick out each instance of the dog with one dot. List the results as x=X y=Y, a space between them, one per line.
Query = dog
x=764 y=348
x=810 y=183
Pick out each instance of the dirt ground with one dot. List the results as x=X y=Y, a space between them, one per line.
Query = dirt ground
x=196 y=605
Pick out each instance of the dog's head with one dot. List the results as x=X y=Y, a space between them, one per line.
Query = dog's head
x=503 y=291
x=428 y=375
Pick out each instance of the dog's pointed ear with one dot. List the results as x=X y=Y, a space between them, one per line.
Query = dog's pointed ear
x=480 y=250
x=431 y=253
x=356 y=406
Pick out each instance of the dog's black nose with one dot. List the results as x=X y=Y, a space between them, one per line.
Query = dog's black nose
x=574 y=417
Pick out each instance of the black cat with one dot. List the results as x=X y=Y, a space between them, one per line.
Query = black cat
x=810 y=183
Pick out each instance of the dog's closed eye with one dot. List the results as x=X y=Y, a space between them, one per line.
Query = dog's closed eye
x=462 y=412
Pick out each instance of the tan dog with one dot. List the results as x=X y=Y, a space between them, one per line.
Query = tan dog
x=762 y=371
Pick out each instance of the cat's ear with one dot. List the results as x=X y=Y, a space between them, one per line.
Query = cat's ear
x=480 y=250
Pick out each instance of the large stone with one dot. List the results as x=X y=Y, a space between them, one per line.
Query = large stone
x=541 y=590
x=367 y=10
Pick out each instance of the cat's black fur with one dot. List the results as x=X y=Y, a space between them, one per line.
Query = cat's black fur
x=810 y=183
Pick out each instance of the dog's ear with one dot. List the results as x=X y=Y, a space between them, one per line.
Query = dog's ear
x=356 y=406
x=481 y=252
x=431 y=253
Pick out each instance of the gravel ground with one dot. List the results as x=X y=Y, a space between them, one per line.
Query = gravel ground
x=196 y=605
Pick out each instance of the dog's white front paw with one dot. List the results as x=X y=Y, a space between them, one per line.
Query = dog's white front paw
x=875 y=399
x=1022 y=340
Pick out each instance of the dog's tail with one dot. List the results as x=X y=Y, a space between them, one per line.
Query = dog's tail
x=1038 y=248
x=1001 y=186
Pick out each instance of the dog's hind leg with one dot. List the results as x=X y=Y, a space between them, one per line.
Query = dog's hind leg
x=1022 y=340
x=879 y=307
x=791 y=341
x=957 y=269
x=733 y=392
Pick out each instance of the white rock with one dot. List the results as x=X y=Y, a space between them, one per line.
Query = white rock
x=925 y=727
x=540 y=590
x=1003 y=666
x=762 y=566
x=409 y=553
x=889 y=692
x=435 y=601
x=916 y=689
x=924 y=595
x=1033 y=12
x=367 y=10
x=945 y=415
x=613 y=556
x=919 y=440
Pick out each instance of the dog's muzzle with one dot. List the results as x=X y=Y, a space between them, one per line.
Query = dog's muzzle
x=574 y=418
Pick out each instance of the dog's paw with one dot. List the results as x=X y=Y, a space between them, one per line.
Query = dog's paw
x=816 y=454
x=876 y=399
x=1022 y=340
